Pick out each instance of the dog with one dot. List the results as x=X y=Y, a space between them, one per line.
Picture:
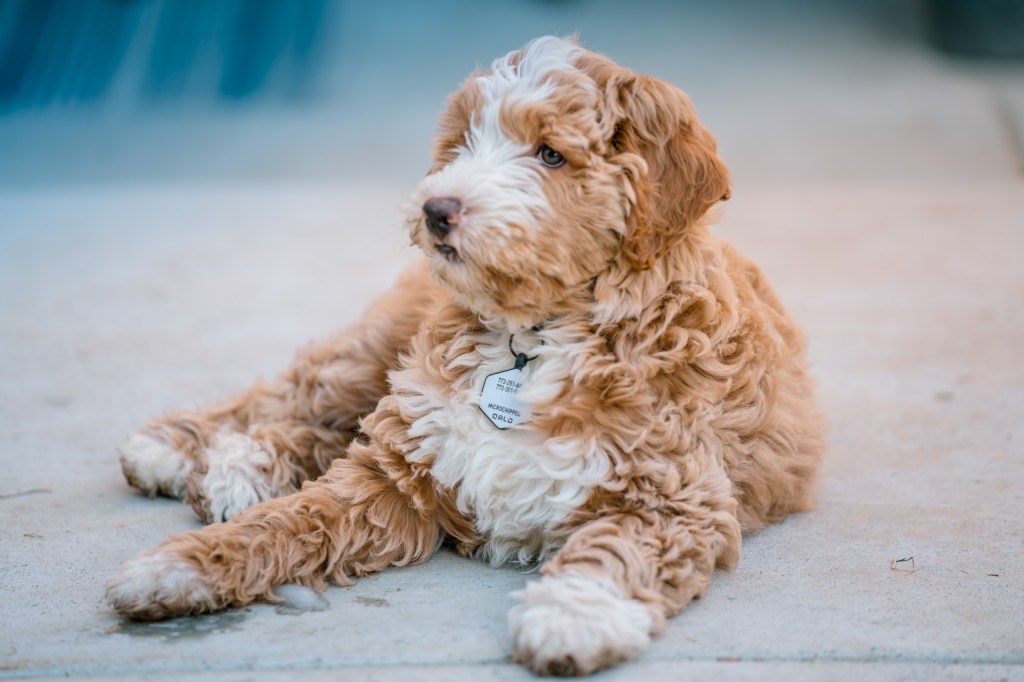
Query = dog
x=576 y=374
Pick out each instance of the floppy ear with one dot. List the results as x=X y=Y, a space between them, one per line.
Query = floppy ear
x=683 y=177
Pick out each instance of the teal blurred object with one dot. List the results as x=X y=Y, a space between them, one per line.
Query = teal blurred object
x=78 y=51
x=981 y=28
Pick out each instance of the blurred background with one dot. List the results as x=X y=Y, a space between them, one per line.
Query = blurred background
x=101 y=91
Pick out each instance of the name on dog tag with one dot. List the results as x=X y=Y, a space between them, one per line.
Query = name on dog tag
x=498 y=399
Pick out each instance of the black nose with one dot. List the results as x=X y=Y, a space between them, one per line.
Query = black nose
x=442 y=215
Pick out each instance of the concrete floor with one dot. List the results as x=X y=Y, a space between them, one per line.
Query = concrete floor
x=149 y=262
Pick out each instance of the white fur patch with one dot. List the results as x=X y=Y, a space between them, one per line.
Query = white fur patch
x=157 y=579
x=499 y=182
x=518 y=484
x=238 y=475
x=153 y=465
x=524 y=80
x=572 y=624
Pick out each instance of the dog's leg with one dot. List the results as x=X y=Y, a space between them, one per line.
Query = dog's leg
x=369 y=511
x=619 y=576
x=264 y=442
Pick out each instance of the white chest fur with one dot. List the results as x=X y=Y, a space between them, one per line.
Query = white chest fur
x=518 y=483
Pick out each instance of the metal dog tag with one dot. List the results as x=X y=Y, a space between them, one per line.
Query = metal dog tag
x=498 y=399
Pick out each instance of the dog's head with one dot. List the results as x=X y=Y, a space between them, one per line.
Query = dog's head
x=549 y=168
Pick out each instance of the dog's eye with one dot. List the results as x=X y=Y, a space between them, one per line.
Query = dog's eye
x=549 y=157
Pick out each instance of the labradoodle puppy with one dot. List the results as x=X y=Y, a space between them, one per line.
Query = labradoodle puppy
x=577 y=374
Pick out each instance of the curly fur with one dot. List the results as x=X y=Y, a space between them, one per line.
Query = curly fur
x=671 y=410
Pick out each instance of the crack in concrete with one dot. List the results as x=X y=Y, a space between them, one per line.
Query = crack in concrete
x=26 y=493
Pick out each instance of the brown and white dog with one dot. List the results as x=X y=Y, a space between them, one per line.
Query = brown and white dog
x=578 y=374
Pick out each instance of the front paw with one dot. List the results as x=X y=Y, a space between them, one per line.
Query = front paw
x=239 y=474
x=154 y=466
x=159 y=585
x=572 y=624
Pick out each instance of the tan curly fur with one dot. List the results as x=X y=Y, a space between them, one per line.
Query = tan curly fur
x=670 y=406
